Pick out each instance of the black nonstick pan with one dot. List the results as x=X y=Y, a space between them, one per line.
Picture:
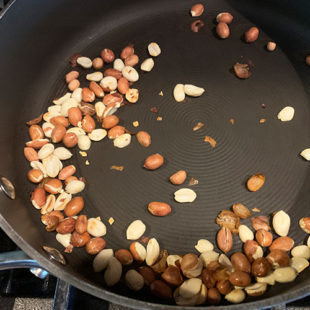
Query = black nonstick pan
x=36 y=40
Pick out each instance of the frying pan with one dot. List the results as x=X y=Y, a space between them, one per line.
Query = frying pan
x=36 y=41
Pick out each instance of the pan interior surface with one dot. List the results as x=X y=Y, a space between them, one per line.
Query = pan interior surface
x=243 y=148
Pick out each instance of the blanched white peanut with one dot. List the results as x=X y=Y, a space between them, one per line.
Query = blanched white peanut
x=236 y=296
x=130 y=74
x=299 y=263
x=256 y=289
x=63 y=239
x=69 y=103
x=171 y=259
x=101 y=260
x=204 y=245
x=208 y=257
x=39 y=165
x=62 y=201
x=301 y=251
x=84 y=62
x=77 y=130
x=185 y=195
x=178 y=93
x=122 y=141
x=95 y=76
x=46 y=150
x=184 y=302
x=47 y=129
x=109 y=83
x=305 y=154
x=286 y=114
x=52 y=165
x=135 y=230
x=245 y=233
x=113 y=273
x=152 y=252
x=190 y=287
x=285 y=274
x=96 y=228
x=62 y=153
x=147 y=65
x=225 y=261
x=281 y=223
x=118 y=64
x=99 y=107
x=54 y=109
x=49 y=115
x=62 y=99
x=308 y=242
x=97 y=134
x=49 y=205
x=134 y=280
x=75 y=186
x=84 y=143
x=192 y=90
x=269 y=279
x=154 y=49
x=77 y=94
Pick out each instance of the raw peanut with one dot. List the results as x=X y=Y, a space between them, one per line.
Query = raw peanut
x=304 y=224
x=95 y=76
x=224 y=17
x=252 y=250
x=236 y=296
x=110 y=121
x=196 y=25
x=242 y=71
x=160 y=289
x=154 y=49
x=58 y=133
x=35 y=175
x=113 y=98
x=124 y=257
x=122 y=141
x=98 y=63
x=36 y=132
x=79 y=240
x=118 y=64
x=255 y=182
x=88 y=124
x=261 y=267
x=108 y=83
x=224 y=261
x=49 y=205
x=75 y=186
x=95 y=245
x=87 y=108
x=130 y=74
x=48 y=128
x=285 y=275
x=240 y=278
x=69 y=179
x=207 y=277
x=132 y=95
x=53 y=186
x=191 y=265
x=224 y=239
x=281 y=223
x=66 y=226
x=70 y=139
x=75 y=116
x=282 y=243
x=178 y=93
x=299 y=263
x=264 y=237
x=301 y=251
x=241 y=210
x=131 y=60
x=127 y=51
x=115 y=131
x=38 y=197
x=134 y=280
x=214 y=297
x=84 y=143
x=153 y=162
x=107 y=55
x=81 y=224
x=223 y=286
x=96 y=228
x=123 y=85
x=148 y=274
x=75 y=206
x=101 y=260
x=278 y=258
x=96 y=88
x=271 y=46
x=37 y=144
x=113 y=272
x=251 y=35
x=161 y=261
x=190 y=287
x=286 y=114
x=245 y=233
x=51 y=222
x=138 y=251
x=147 y=65
x=35 y=121
x=240 y=262
x=228 y=219
x=197 y=10
x=84 y=62
x=31 y=154
x=204 y=245
x=222 y=30
x=60 y=120
x=178 y=178
x=159 y=208
x=172 y=276
x=144 y=138
x=260 y=222
x=152 y=252
x=256 y=289
x=88 y=95
x=113 y=72
x=73 y=85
